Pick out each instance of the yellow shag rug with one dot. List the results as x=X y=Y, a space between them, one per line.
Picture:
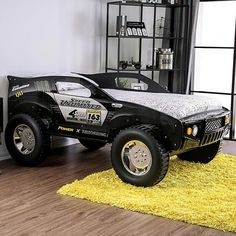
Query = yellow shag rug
x=194 y=193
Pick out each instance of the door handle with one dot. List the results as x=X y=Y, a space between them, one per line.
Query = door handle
x=117 y=105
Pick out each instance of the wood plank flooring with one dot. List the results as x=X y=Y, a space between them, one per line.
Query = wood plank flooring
x=29 y=204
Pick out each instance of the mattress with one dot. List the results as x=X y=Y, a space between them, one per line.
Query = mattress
x=175 y=105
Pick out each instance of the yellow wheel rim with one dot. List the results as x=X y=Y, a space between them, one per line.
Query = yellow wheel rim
x=136 y=158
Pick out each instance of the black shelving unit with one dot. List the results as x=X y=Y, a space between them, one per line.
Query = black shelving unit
x=178 y=41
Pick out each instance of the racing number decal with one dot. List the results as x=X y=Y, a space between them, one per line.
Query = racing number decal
x=81 y=110
x=74 y=113
x=94 y=117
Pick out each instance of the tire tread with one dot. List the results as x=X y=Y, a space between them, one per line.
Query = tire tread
x=45 y=142
x=153 y=132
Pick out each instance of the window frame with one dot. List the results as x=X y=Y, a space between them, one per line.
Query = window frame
x=232 y=135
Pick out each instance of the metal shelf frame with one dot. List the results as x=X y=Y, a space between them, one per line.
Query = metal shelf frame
x=178 y=40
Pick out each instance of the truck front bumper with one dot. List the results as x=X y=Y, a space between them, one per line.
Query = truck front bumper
x=213 y=129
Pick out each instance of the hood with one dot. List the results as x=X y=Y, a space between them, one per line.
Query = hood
x=176 y=105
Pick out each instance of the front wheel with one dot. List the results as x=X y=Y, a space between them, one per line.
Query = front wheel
x=203 y=154
x=26 y=140
x=92 y=145
x=138 y=158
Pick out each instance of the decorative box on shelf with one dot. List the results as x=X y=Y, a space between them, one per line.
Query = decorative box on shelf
x=153 y=1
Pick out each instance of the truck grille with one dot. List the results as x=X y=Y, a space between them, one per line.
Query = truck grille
x=211 y=138
x=213 y=125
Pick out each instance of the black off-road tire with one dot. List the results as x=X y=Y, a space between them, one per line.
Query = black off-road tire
x=203 y=154
x=160 y=157
x=92 y=145
x=42 y=140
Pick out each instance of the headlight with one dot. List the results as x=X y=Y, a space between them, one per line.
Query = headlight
x=192 y=131
x=189 y=131
x=195 y=131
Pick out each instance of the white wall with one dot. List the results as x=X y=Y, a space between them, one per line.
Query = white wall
x=48 y=36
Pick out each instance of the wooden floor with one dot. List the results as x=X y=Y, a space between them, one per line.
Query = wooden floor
x=29 y=204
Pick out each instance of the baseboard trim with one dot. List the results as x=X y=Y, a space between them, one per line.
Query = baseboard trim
x=57 y=142
x=3 y=158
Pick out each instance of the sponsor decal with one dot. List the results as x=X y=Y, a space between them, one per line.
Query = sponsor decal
x=79 y=104
x=18 y=87
x=94 y=117
x=65 y=129
x=95 y=133
x=19 y=94
x=81 y=110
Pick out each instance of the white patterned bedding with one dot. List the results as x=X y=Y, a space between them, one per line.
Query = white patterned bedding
x=175 y=105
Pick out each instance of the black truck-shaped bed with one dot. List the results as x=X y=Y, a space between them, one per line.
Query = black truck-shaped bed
x=144 y=122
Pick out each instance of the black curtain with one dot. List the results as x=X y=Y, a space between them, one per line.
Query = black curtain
x=183 y=23
x=194 y=9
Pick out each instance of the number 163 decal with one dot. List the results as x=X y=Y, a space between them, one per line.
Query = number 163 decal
x=94 y=117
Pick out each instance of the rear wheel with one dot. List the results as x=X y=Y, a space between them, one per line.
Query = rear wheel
x=26 y=140
x=203 y=154
x=138 y=158
x=92 y=145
